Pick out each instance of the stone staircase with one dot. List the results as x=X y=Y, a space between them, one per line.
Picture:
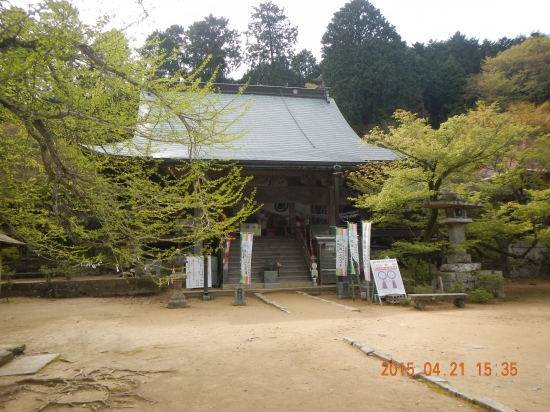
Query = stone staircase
x=286 y=250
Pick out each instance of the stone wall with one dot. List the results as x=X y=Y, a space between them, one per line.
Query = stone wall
x=74 y=288
x=468 y=279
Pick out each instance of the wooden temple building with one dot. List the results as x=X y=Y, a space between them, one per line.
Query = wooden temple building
x=296 y=144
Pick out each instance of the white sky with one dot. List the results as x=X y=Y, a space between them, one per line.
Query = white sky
x=414 y=20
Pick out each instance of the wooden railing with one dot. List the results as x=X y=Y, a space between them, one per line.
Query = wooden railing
x=301 y=235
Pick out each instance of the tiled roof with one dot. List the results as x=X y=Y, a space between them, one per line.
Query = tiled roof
x=283 y=126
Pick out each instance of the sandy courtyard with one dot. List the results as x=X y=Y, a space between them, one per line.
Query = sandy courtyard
x=214 y=356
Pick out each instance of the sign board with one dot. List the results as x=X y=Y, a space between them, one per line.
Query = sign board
x=246 y=258
x=366 y=231
x=194 y=269
x=353 y=247
x=341 y=252
x=387 y=277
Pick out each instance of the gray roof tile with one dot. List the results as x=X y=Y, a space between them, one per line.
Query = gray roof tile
x=284 y=130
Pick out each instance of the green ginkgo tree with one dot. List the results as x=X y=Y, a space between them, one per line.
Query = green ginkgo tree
x=77 y=180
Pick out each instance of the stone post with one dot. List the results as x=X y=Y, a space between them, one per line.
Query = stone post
x=178 y=298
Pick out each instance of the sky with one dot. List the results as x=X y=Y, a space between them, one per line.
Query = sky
x=415 y=20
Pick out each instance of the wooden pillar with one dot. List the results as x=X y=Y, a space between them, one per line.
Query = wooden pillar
x=292 y=213
x=331 y=208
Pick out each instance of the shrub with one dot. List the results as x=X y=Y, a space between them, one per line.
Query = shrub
x=424 y=289
x=409 y=284
x=417 y=269
x=63 y=269
x=458 y=287
x=491 y=283
x=480 y=296
x=405 y=302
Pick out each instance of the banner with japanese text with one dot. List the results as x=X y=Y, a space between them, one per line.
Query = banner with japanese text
x=387 y=277
x=246 y=258
x=353 y=247
x=341 y=252
x=194 y=269
x=366 y=232
x=226 y=251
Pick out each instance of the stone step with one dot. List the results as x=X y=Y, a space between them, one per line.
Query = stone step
x=288 y=264
x=270 y=251
x=261 y=285
x=281 y=274
x=285 y=265
x=257 y=277
x=284 y=250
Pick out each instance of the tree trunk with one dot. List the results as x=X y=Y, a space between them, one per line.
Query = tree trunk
x=430 y=226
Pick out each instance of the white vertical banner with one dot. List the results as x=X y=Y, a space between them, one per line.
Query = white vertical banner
x=366 y=231
x=195 y=272
x=353 y=247
x=208 y=271
x=192 y=268
x=246 y=258
x=341 y=252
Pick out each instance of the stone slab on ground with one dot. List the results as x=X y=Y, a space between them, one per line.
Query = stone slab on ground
x=15 y=348
x=27 y=365
x=362 y=347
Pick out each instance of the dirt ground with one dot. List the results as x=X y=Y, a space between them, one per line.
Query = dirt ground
x=132 y=352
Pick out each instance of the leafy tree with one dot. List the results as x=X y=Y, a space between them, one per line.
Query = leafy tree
x=208 y=48
x=367 y=66
x=446 y=66
x=270 y=41
x=432 y=161
x=521 y=73
x=211 y=40
x=516 y=192
x=305 y=67
x=170 y=44
x=73 y=177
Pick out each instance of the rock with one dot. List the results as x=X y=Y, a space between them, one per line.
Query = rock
x=15 y=348
x=476 y=346
x=460 y=267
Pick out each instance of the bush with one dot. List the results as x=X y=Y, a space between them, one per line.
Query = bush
x=480 y=296
x=424 y=289
x=491 y=283
x=409 y=284
x=63 y=269
x=458 y=287
x=417 y=269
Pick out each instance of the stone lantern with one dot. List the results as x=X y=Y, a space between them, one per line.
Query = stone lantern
x=178 y=277
x=455 y=219
x=459 y=266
